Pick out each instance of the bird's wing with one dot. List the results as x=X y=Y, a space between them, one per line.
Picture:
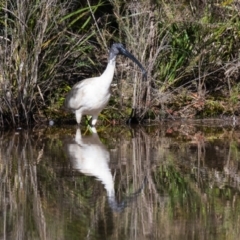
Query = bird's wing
x=74 y=97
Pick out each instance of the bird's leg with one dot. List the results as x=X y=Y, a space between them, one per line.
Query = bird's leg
x=78 y=115
x=94 y=120
x=78 y=136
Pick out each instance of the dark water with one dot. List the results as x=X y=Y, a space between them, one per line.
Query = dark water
x=178 y=181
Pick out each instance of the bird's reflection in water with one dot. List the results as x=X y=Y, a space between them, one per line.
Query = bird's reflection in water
x=89 y=156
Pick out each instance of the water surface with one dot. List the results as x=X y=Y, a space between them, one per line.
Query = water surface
x=171 y=181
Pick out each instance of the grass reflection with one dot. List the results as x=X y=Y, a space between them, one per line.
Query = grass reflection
x=191 y=189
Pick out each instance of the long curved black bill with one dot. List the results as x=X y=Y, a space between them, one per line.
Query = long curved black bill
x=129 y=55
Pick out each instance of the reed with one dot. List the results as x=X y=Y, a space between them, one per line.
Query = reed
x=39 y=47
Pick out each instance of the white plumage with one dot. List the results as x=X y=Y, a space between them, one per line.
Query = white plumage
x=89 y=156
x=90 y=96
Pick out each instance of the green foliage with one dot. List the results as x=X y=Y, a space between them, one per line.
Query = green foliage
x=82 y=16
x=235 y=94
x=182 y=45
x=212 y=108
x=48 y=45
x=173 y=63
x=40 y=46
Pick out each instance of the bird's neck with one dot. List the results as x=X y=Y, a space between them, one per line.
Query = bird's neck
x=109 y=72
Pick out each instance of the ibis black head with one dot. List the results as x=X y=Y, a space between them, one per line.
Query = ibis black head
x=118 y=48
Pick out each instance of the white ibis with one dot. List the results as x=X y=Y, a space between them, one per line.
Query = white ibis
x=90 y=96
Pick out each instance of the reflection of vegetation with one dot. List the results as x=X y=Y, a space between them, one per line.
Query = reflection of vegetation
x=192 y=186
